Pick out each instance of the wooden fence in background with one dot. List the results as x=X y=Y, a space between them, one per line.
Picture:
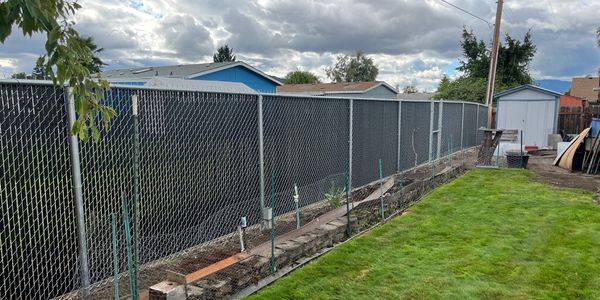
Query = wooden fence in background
x=573 y=120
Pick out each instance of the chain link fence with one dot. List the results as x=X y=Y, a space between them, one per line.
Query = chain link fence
x=207 y=161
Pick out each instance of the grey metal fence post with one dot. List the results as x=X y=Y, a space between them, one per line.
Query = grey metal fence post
x=399 y=135
x=350 y=147
x=439 y=131
x=462 y=126
x=431 y=117
x=477 y=124
x=78 y=196
x=136 y=193
x=261 y=160
x=349 y=170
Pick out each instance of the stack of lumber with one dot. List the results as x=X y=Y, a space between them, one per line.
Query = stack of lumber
x=591 y=160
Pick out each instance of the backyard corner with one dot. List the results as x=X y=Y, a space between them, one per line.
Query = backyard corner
x=489 y=234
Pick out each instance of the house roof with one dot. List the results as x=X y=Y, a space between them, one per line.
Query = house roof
x=180 y=71
x=333 y=88
x=527 y=87
x=199 y=85
x=583 y=87
x=416 y=96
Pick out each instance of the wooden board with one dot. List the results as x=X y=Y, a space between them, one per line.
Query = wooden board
x=566 y=161
x=560 y=155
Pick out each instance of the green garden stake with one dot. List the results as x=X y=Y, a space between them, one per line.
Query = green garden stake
x=521 y=149
x=381 y=192
x=348 y=195
x=115 y=256
x=132 y=286
x=273 y=269
x=296 y=200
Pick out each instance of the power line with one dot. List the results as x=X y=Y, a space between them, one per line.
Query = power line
x=468 y=12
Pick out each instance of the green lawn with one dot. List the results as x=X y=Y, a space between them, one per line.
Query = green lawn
x=488 y=235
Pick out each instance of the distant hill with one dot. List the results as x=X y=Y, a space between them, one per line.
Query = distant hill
x=556 y=85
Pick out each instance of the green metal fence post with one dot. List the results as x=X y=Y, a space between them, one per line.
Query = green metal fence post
x=273 y=268
x=521 y=149
x=115 y=256
x=132 y=286
x=381 y=192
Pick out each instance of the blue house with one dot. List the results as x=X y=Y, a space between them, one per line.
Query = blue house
x=236 y=71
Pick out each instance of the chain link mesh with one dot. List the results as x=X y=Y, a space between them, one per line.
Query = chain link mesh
x=38 y=247
x=414 y=133
x=200 y=173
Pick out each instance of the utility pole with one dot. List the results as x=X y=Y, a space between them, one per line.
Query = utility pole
x=493 y=61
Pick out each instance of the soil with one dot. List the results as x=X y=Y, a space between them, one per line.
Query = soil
x=548 y=173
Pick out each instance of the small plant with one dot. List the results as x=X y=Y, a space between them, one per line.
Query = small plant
x=335 y=195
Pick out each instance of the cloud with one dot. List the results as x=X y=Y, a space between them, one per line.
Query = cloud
x=412 y=42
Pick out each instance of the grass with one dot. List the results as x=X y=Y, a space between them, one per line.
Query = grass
x=488 y=235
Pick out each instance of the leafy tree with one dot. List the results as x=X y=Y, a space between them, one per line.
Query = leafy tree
x=512 y=68
x=410 y=89
x=352 y=69
x=67 y=56
x=224 y=54
x=20 y=75
x=95 y=64
x=39 y=71
x=465 y=88
x=301 y=77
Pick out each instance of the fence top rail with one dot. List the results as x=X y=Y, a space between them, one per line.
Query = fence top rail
x=304 y=96
x=123 y=86
x=300 y=96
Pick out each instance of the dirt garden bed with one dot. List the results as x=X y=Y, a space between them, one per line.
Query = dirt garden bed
x=415 y=183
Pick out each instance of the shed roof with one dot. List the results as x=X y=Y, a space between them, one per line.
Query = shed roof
x=527 y=87
x=333 y=88
x=181 y=71
x=200 y=85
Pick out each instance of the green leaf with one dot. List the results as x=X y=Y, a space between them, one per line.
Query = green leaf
x=95 y=133
x=52 y=40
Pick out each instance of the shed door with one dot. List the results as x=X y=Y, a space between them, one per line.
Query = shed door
x=539 y=122
x=535 y=118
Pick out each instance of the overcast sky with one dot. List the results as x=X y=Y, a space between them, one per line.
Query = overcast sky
x=413 y=42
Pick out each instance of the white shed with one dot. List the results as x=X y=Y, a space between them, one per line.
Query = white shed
x=529 y=108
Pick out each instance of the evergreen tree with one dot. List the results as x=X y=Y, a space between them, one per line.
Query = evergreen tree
x=94 y=64
x=39 y=71
x=224 y=54
x=512 y=68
